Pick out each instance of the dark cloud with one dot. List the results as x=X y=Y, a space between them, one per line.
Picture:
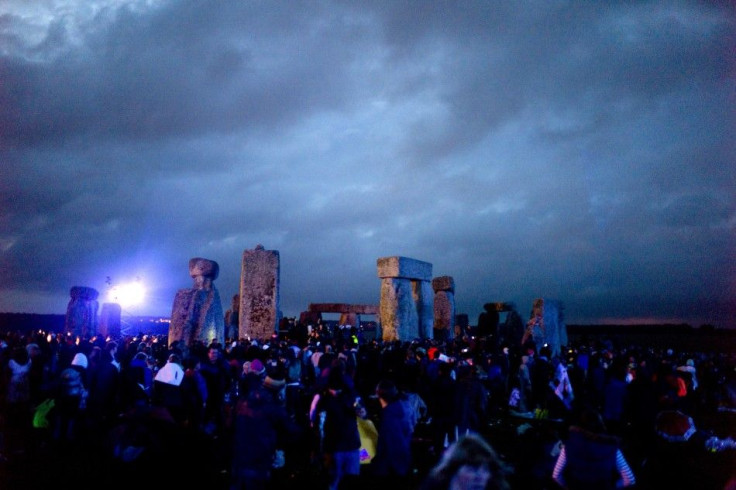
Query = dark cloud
x=582 y=152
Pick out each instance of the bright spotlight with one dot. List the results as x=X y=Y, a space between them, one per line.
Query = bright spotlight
x=127 y=294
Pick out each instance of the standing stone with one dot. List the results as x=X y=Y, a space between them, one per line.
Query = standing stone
x=110 y=320
x=399 y=317
x=407 y=304
x=310 y=318
x=547 y=325
x=444 y=307
x=506 y=334
x=197 y=312
x=462 y=322
x=488 y=321
x=352 y=319
x=81 y=312
x=259 y=293
x=232 y=319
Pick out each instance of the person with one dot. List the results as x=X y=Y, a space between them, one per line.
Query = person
x=590 y=458
x=18 y=396
x=442 y=407
x=470 y=463
x=167 y=391
x=251 y=377
x=340 y=437
x=685 y=456
x=80 y=364
x=393 y=450
x=70 y=400
x=39 y=375
x=193 y=394
x=525 y=386
x=19 y=388
x=104 y=386
x=216 y=373
x=261 y=427
x=471 y=400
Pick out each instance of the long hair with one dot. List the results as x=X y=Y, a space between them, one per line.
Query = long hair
x=472 y=450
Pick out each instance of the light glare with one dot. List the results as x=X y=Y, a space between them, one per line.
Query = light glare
x=127 y=294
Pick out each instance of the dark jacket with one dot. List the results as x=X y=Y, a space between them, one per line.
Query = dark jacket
x=591 y=459
x=262 y=425
x=341 y=425
x=393 y=451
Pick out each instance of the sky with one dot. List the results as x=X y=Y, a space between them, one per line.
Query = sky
x=577 y=151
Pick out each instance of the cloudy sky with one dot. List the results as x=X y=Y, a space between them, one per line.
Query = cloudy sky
x=580 y=151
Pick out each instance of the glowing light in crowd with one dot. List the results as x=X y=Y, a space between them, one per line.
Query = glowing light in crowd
x=127 y=294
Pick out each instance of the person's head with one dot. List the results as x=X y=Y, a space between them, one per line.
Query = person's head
x=33 y=350
x=20 y=355
x=111 y=349
x=80 y=360
x=191 y=363
x=387 y=392
x=470 y=463
x=591 y=420
x=213 y=353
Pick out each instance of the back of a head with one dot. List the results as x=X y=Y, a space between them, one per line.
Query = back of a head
x=473 y=450
x=387 y=391
x=335 y=379
x=592 y=421
x=190 y=362
x=20 y=355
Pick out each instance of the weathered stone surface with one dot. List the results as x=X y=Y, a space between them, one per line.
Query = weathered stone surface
x=399 y=318
x=407 y=298
x=424 y=301
x=84 y=293
x=204 y=267
x=546 y=325
x=404 y=267
x=461 y=324
x=310 y=317
x=351 y=319
x=232 y=319
x=444 y=311
x=443 y=283
x=499 y=307
x=343 y=308
x=508 y=333
x=511 y=331
x=110 y=316
x=81 y=312
x=488 y=321
x=259 y=293
x=197 y=312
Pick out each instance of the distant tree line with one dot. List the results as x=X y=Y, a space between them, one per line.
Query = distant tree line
x=682 y=337
x=27 y=322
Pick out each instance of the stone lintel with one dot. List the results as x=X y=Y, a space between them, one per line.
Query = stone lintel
x=343 y=308
x=499 y=307
x=84 y=292
x=405 y=268
x=443 y=283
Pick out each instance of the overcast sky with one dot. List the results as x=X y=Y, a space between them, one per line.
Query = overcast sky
x=578 y=151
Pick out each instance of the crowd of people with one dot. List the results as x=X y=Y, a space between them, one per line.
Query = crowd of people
x=332 y=408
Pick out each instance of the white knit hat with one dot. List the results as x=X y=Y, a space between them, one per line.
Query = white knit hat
x=80 y=360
